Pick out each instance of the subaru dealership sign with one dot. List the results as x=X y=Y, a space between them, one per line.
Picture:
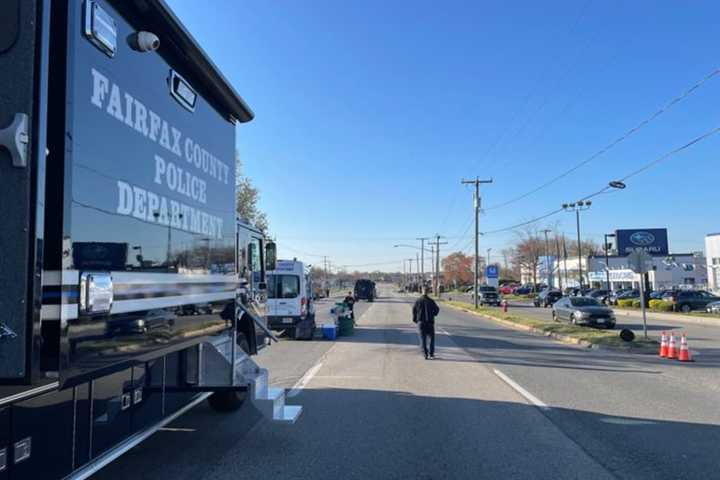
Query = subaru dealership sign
x=652 y=240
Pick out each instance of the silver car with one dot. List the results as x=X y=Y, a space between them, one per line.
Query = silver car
x=713 y=307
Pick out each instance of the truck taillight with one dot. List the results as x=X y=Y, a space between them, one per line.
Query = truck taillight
x=303 y=304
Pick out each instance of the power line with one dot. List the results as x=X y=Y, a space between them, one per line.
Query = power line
x=612 y=144
x=605 y=189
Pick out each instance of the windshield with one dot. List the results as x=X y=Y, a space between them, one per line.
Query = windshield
x=583 y=301
x=283 y=286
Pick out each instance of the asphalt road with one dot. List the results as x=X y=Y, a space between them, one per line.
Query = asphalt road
x=498 y=403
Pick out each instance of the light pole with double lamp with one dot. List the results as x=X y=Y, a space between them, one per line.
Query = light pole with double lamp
x=577 y=207
x=607 y=260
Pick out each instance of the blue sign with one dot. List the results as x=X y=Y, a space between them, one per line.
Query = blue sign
x=653 y=240
x=491 y=271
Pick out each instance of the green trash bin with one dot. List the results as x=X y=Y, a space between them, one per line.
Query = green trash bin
x=346 y=326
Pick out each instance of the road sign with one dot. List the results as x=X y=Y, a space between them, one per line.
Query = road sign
x=491 y=271
x=640 y=261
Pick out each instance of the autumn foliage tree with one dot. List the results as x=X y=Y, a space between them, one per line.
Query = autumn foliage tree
x=247 y=199
x=458 y=269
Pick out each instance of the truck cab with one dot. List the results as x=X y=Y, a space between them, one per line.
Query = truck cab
x=290 y=302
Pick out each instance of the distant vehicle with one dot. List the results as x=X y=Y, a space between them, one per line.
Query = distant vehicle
x=599 y=294
x=659 y=294
x=547 y=298
x=686 y=301
x=577 y=292
x=365 y=290
x=488 y=295
x=628 y=295
x=289 y=305
x=508 y=288
x=523 y=290
x=713 y=307
x=583 y=311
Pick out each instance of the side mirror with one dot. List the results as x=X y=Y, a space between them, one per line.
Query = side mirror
x=270 y=256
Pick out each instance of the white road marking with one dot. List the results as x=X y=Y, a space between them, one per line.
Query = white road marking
x=298 y=387
x=176 y=429
x=518 y=388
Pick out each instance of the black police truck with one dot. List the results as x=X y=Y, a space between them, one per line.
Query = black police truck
x=128 y=291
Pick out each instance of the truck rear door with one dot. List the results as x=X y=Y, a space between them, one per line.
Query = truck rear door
x=23 y=86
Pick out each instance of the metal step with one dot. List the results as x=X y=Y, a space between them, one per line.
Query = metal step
x=269 y=400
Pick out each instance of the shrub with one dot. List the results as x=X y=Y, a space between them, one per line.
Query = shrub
x=625 y=303
x=661 y=305
x=636 y=303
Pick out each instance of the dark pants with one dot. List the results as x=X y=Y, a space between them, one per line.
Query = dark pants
x=427 y=332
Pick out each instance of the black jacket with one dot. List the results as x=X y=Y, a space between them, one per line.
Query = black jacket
x=424 y=311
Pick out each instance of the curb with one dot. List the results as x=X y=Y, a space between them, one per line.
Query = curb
x=556 y=336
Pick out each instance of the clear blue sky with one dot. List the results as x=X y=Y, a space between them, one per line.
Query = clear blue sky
x=369 y=113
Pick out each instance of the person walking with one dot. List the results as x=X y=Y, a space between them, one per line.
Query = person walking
x=424 y=312
x=350 y=302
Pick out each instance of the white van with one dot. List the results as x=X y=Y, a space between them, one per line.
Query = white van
x=290 y=305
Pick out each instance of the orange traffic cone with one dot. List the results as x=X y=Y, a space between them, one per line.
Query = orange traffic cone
x=663 y=345
x=672 y=351
x=684 y=352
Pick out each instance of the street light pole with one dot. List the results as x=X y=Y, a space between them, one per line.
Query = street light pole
x=422 y=257
x=547 y=259
x=577 y=207
x=607 y=260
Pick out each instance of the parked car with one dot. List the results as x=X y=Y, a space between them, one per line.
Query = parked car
x=713 y=307
x=613 y=296
x=488 y=295
x=508 y=288
x=523 y=290
x=599 y=294
x=583 y=311
x=628 y=295
x=659 y=294
x=688 y=300
x=547 y=298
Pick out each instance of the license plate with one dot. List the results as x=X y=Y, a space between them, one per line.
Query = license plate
x=287 y=320
x=600 y=320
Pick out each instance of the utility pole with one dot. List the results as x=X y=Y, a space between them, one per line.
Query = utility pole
x=417 y=273
x=476 y=205
x=422 y=258
x=548 y=275
x=557 y=254
x=437 y=263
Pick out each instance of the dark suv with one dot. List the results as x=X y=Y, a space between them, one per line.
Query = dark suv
x=365 y=290
x=488 y=295
x=687 y=300
x=547 y=298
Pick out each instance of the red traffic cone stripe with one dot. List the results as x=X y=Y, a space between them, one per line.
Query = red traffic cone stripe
x=684 y=352
x=663 y=345
x=672 y=351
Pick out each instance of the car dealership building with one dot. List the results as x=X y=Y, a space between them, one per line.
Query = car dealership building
x=666 y=270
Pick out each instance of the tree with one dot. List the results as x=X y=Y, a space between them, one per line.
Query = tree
x=527 y=252
x=247 y=199
x=458 y=269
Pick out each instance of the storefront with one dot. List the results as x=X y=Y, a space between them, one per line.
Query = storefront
x=712 y=254
x=682 y=270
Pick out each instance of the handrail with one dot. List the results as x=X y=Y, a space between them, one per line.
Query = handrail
x=259 y=323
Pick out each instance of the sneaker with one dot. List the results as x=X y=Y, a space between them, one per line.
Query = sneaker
x=426 y=357
x=432 y=357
